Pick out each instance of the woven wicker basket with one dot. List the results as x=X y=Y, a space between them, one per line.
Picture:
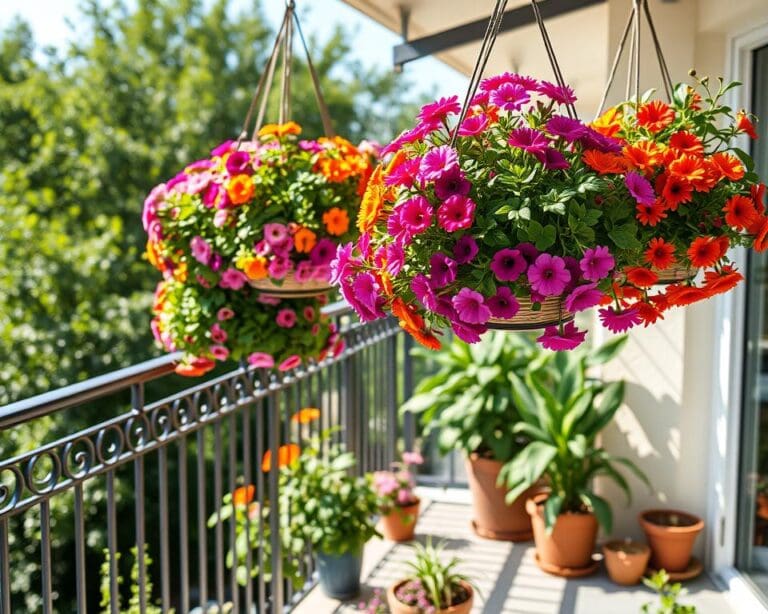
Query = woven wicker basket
x=290 y=288
x=550 y=314
x=674 y=274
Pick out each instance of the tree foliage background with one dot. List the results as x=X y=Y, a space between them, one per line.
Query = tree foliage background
x=85 y=132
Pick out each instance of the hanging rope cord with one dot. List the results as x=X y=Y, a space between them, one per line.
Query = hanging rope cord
x=489 y=39
x=283 y=45
x=633 y=71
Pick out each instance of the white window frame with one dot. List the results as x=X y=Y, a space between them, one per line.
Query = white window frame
x=727 y=383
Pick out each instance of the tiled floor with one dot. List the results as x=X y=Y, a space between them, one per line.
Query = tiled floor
x=507 y=576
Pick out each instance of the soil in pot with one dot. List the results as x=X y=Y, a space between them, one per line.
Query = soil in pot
x=569 y=546
x=462 y=601
x=671 y=535
x=399 y=525
x=492 y=517
x=626 y=561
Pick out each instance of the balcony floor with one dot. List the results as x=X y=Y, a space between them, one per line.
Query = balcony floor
x=506 y=574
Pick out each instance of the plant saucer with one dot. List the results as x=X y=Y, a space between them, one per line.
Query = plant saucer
x=525 y=535
x=693 y=570
x=568 y=572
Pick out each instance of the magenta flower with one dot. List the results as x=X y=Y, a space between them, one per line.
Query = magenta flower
x=619 y=321
x=286 y=318
x=452 y=183
x=640 y=188
x=225 y=147
x=503 y=304
x=597 y=263
x=201 y=249
x=289 y=363
x=548 y=275
x=438 y=161
x=342 y=263
x=508 y=264
x=232 y=279
x=312 y=146
x=275 y=234
x=309 y=313
x=225 y=313
x=424 y=293
x=436 y=112
x=470 y=307
x=323 y=252
x=473 y=125
x=528 y=139
x=510 y=96
x=416 y=215
x=396 y=229
x=261 y=360
x=566 y=128
x=445 y=308
x=404 y=174
x=239 y=162
x=468 y=333
x=216 y=262
x=304 y=271
x=582 y=298
x=592 y=139
x=279 y=267
x=527 y=82
x=406 y=136
x=367 y=295
x=218 y=334
x=442 y=270
x=552 y=159
x=267 y=299
x=573 y=268
x=566 y=339
x=177 y=184
x=151 y=203
x=465 y=249
x=563 y=95
x=221 y=218
x=219 y=352
x=395 y=257
x=211 y=194
x=202 y=281
x=456 y=213
x=528 y=251
x=321 y=272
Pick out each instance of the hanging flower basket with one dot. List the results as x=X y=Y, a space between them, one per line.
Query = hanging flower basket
x=550 y=312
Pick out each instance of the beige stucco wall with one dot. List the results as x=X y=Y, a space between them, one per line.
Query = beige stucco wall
x=665 y=425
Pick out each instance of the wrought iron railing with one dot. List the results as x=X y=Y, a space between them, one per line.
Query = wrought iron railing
x=150 y=475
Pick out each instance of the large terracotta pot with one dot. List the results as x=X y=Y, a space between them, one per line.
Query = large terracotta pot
x=398 y=607
x=400 y=524
x=493 y=518
x=626 y=561
x=671 y=535
x=570 y=544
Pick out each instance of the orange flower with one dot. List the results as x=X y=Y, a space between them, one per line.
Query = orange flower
x=743 y=124
x=244 y=495
x=409 y=318
x=240 y=189
x=650 y=215
x=336 y=221
x=197 y=367
x=739 y=212
x=711 y=176
x=155 y=255
x=396 y=161
x=719 y=283
x=660 y=254
x=761 y=236
x=304 y=240
x=280 y=130
x=690 y=168
x=643 y=155
x=757 y=192
x=674 y=190
x=679 y=295
x=641 y=277
x=609 y=123
x=427 y=339
x=604 y=163
x=704 y=252
x=286 y=455
x=362 y=184
x=727 y=165
x=655 y=115
x=385 y=279
x=686 y=142
x=255 y=268
x=372 y=203
x=648 y=313
x=306 y=415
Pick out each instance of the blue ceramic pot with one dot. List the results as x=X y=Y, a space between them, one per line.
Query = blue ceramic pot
x=340 y=573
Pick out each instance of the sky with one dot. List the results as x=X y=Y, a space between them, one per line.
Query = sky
x=370 y=41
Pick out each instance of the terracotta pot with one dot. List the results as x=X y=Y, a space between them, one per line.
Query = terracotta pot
x=493 y=518
x=762 y=506
x=570 y=544
x=398 y=607
x=626 y=561
x=400 y=524
x=671 y=535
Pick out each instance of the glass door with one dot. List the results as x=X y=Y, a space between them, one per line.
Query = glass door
x=752 y=527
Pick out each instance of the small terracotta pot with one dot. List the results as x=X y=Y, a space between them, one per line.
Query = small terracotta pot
x=570 y=544
x=626 y=561
x=400 y=524
x=398 y=607
x=493 y=518
x=671 y=535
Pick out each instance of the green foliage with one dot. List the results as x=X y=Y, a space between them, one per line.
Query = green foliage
x=562 y=412
x=470 y=398
x=439 y=578
x=134 y=603
x=668 y=595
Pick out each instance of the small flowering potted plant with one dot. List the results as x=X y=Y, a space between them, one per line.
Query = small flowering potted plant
x=398 y=503
x=434 y=585
x=497 y=222
x=694 y=194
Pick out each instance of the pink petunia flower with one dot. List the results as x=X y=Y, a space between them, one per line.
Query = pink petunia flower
x=552 y=159
x=261 y=360
x=291 y=362
x=286 y=318
x=508 y=264
x=465 y=249
x=219 y=352
x=503 y=304
x=528 y=139
x=225 y=313
x=342 y=263
x=619 y=321
x=436 y=112
x=416 y=215
x=218 y=334
x=279 y=267
x=395 y=257
x=404 y=174
x=470 y=307
x=468 y=333
x=268 y=299
x=565 y=127
x=239 y=163
x=438 y=161
x=424 y=292
x=442 y=270
x=473 y=125
x=640 y=188
x=151 y=204
x=221 y=218
x=323 y=252
x=558 y=340
x=452 y=183
x=201 y=249
x=597 y=263
x=232 y=279
x=583 y=297
x=225 y=147
x=456 y=213
x=275 y=234
x=304 y=271
x=563 y=95
x=309 y=313
x=510 y=96
x=548 y=275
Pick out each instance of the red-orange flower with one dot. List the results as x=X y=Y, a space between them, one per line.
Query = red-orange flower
x=675 y=190
x=643 y=155
x=757 y=192
x=761 y=236
x=413 y=324
x=306 y=415
x=727 y=165
x=195 y=368
x=427 y=339
x=648 y=313
x=739 y=212
x=286 y=455
x=660 y=254
x=244 y=495
x=680 y=295
x=650 y=215
x=604 y=163
x=690 y=168
x=743 y=124
x=719 y=283
x=655 y=115
x=686 y=142
x=640 y=276
x=704 y=252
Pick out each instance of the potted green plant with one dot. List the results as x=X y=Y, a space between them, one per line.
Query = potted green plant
x=398 y=503
x=562 y=412
x=469 y=403
x=668 y=594
x=434 y=585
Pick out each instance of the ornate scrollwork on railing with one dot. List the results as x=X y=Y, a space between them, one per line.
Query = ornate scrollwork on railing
x=78 y=457
x=11 y=488
x=42 y=471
